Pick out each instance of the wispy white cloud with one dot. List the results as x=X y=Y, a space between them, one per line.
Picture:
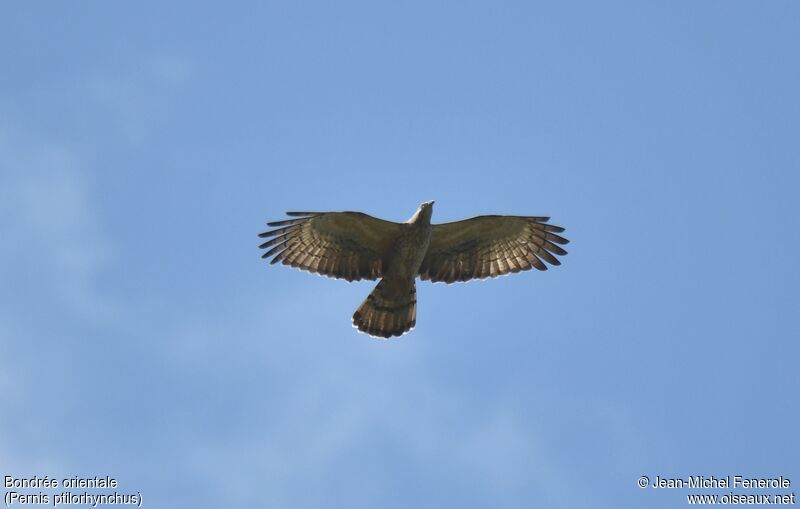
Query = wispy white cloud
x=173 y=70
x=54 y=246
x=320 y=418
x=132 y=98
x=52 y=251
x=304 y=408
x=53 y=238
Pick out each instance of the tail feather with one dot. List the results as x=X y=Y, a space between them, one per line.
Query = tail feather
x=390 y=310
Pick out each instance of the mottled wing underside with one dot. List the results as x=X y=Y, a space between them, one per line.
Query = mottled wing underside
x=347 y=245
x=490 y=246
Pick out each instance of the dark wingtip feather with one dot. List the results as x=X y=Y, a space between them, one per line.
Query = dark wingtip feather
x=274 y=240
x=285 y=222
x=538 y=263
x=558 y=239
x=277 y=248
x=555 y=249
x=300 y=214
x=278 y=231
x=549 y=258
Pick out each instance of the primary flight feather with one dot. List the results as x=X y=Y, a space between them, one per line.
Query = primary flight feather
x=355 y=246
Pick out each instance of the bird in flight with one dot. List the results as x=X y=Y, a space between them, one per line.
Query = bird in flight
x=355 y=246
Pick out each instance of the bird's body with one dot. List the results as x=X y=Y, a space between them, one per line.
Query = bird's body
x=354 y=246
x=391 y=308
x=411 y=245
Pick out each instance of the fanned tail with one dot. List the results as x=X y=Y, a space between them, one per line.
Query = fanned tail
x=390 y=310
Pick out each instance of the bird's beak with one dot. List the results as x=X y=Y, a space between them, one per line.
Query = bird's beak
x=429 y=202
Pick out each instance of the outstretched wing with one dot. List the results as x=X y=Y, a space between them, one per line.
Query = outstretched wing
x=348 y=245
x=490 y=246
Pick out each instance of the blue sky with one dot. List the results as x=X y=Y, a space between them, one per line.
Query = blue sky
x=143 y=146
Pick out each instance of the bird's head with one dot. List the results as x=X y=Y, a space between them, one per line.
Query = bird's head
x=423 y=214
